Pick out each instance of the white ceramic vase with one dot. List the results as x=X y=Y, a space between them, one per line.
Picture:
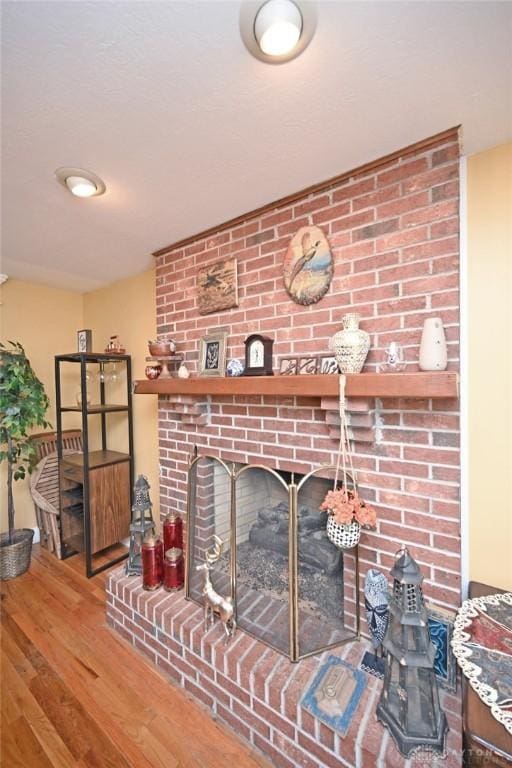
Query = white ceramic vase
x=433 y=352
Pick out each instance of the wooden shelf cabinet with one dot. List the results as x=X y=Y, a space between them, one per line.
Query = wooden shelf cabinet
x=109 y=499
x=95 y=486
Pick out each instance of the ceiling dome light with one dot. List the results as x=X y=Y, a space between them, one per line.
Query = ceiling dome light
x=277 y=27
x=79 y=182
x=278 y=30
x=81 y=187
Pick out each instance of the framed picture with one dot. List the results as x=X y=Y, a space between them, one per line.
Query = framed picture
x=307 y=365
x=440 y=625
x=212 y=354
x=288 y=366
x=217 y=286
x=84 y=340
x=328 y=364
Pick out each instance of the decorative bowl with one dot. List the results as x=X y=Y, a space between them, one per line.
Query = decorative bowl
x=153 y=371
x=234 y=368
x=162 y=348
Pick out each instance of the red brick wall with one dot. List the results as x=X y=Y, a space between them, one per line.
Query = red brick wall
x=393 y=232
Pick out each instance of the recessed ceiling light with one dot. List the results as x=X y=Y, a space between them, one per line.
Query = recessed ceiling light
x=79 y=182
x=278 y=30
x=277 y=27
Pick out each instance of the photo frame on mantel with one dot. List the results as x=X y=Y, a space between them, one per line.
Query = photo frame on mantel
x=212 y=354
x=217 y=286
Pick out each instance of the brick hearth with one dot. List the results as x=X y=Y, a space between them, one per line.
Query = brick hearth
x=255 y=690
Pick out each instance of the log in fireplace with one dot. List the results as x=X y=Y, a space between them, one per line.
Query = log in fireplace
x=286 y=579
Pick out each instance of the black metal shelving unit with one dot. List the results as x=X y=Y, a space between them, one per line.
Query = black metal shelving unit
x=96 y=486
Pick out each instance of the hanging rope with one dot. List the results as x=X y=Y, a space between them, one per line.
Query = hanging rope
x=344 y=452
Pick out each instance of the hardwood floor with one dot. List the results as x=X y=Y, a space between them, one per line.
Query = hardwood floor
x=74 y=694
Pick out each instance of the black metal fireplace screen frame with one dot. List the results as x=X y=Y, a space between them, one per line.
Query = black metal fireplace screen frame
x=234 y=472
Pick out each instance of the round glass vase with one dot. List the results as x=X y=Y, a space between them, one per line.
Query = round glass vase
x=350 y=345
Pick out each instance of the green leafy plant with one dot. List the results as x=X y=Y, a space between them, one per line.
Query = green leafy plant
x=23 y=405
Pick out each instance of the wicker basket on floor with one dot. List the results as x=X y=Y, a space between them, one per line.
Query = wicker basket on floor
x=15 y=557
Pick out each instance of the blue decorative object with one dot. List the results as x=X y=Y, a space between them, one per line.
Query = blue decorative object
x=234 y=368
x=334 y=694
x=441 y=630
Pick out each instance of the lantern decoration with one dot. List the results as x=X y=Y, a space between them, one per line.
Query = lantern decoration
x=376 y=601
x=409 y=702
x=142 y=524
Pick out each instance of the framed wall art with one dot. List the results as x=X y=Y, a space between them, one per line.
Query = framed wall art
x=84 y=340
x=217 y=286
x=308 y=266
x=212 y=354
x=307 y=365
x=328 y=364
x=288 y=366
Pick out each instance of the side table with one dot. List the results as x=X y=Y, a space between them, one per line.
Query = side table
x=486 y=742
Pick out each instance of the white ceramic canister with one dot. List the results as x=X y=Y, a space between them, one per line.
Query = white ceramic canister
x=433 y=352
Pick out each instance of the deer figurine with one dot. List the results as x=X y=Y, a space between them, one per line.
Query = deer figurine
x=213 y=602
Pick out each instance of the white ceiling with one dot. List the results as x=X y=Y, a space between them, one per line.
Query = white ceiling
x=187 y=129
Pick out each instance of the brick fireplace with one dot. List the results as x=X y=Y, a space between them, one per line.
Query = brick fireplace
x=393 y=229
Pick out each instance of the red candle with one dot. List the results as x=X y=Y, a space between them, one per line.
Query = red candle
x=173 y=569
x=173 y=532
x=152 y=563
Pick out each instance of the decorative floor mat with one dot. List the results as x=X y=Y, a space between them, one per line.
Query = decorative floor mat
x=334 y=694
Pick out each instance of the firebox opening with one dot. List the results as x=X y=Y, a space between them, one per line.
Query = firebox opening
x=286 y=577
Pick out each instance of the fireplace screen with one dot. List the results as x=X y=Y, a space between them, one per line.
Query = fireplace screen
x=287 y=580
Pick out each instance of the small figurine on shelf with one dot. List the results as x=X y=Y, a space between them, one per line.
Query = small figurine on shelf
x=114 y=346
x=394 y=359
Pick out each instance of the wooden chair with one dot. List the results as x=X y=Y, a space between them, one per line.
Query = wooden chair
x=44 y=483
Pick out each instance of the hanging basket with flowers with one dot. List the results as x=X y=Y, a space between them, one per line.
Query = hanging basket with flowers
x=347 y=511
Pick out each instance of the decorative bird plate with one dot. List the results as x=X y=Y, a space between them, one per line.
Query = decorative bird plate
x=308 y=266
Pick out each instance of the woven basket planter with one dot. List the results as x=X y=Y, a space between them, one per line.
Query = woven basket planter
x=343 y=536
x=15 y=557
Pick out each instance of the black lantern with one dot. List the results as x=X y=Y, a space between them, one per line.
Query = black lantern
x=142 y=523
x=409 y=703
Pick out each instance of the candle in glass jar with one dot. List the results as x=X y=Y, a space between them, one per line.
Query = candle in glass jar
x=152 y=563
x=173 y=532
x=173 y=569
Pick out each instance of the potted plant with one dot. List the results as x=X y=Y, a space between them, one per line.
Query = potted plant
x=348 y=513
x=23 y=405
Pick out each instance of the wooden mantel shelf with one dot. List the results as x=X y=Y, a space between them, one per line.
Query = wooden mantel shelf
x=443 y=384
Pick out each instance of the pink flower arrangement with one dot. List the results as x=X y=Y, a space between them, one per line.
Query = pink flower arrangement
x=346 y=506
